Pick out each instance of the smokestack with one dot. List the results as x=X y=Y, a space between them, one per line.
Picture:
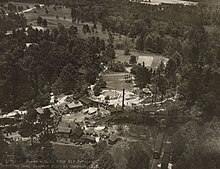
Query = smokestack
x=123 y=99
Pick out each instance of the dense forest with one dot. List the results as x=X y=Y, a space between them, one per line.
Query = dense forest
x=54 y=60
x=185 y=34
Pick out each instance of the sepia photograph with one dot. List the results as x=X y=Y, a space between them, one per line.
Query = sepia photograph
x=109 y=84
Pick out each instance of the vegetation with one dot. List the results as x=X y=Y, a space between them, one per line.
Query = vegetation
x=34 y=63
x=54 y=59
x=116 y=66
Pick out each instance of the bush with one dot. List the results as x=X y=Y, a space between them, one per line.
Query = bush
x=117 y=67
x=133 y=59
x=127 y=51
x=97 y=90
x=107 y=97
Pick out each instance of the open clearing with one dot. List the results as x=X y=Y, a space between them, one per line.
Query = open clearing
x=154 y=59
x=116 y=81
x=67 y=22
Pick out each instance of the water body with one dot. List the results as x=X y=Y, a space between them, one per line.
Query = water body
x=158 y=2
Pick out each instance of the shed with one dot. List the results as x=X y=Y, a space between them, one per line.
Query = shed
x=64 y=132
x=88 y=139
x=75 y=106
x=88 y=102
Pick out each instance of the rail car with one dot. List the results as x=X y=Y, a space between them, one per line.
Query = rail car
x=165 y=159
x=158 y=146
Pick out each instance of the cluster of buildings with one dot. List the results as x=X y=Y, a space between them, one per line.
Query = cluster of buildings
x=79 y=122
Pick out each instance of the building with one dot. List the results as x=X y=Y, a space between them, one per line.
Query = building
x=88 y=139
x=75 y=106
x=64 y=132
x=88 y=102
x=115 y=110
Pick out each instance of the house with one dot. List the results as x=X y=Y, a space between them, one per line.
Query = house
x=75 y=106
x=88 y=102
x=92 y=110
x=88 y=139
x=76 y=134
x=115 y=110
x=64 y=132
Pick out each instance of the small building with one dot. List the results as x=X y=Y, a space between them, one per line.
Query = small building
x=88 y=102
x=92 y=110
x=76 y=134
x=75 y=106
x=115 y=110
x=88 y=139
x=64 y=132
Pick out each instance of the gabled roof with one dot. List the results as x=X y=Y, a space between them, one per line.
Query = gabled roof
x=62 y=129
x=86 y=100
x=74 y=105
x=88 y=137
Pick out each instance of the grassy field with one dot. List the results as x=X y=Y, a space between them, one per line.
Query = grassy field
x=116 y=81
x=157 y=58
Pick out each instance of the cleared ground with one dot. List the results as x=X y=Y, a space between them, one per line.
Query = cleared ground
x=157 y=58
x=116 y=81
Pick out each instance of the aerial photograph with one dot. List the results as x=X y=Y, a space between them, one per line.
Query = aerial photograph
x=109 y=84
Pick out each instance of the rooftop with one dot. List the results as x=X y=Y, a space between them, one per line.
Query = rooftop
x=62 y=129
x=86 y=100
x=74 y=104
